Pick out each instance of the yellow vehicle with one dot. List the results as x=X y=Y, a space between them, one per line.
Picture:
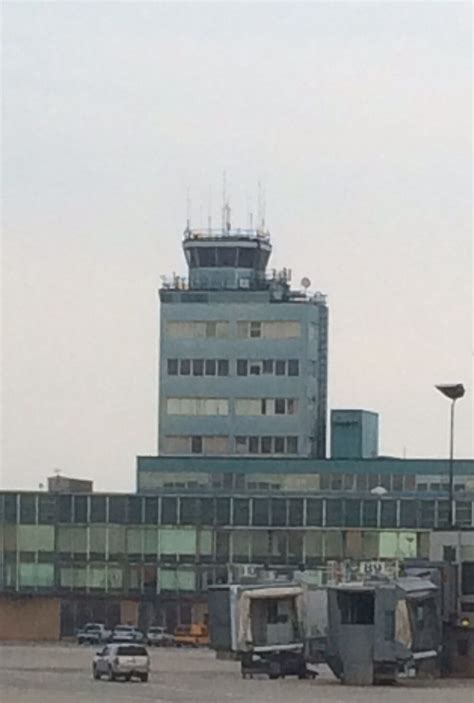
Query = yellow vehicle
x=191 y=635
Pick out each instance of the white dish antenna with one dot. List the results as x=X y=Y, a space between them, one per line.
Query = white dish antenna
x=305 y=282
x=379 y=491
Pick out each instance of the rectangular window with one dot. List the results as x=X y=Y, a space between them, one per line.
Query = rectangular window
x=189 y=511
x=361 y=482
x=197 y=406
x=314 y=510
x=222 y=367
x=335 y=482
x=223 y=511
x=65 y=508
x=242 y=367
x=254 y=368
x=211 y=329
x=356 y=608
x=267 y=366
x=279 y=445
x=426 y=513
x=196 y=445
x=97 y=508
x=369 y=513
x=248 y=406
x=47 y=509
x=278 y=510
x=169 y=511
x=253 y=445
x=80 y=509
x=260 y=515
x=280 y=406
x=241 y=511
x=198 y=367
x=255 y=329
x=210 y=366
x=281 y=329
x=408 y=510
x=352 y=516
x=151 y=511
x=10 y=509
x=334 y=513
x=28 y=509
x=241 y=444
x=263 y=406
x=463 y=513
x=172 y=367
x=118 y=509
x=397 y=482
x=280 y=368
x=222 y=546
x=216 y=445
x=348 y=482
x=295 y=512
x=185 y=367
x=292 y=445
x=291 y=406
x=293 y=367
x=266 y=445
x=388 y=513
x=222 y=330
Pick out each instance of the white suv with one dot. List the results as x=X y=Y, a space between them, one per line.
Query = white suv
x=122 y=661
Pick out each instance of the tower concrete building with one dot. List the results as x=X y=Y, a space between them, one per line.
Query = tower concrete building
x=243 y=357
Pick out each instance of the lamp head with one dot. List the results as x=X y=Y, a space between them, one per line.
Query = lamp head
x=453 y=391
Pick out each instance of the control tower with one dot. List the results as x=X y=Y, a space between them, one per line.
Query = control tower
x=243 y=356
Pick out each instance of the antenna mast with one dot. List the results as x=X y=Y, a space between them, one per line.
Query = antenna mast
x=224 y=201
x=188 y=210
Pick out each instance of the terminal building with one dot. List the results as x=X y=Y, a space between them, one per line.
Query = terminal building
x=241 y=484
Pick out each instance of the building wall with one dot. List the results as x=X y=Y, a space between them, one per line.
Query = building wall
x=354 y=434
x=29 y=619
x=308 y=388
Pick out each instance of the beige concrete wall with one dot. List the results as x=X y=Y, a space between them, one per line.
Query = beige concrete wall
x=30 y=619
x=129 y=612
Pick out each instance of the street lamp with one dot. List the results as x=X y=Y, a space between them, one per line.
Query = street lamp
x=453 y=391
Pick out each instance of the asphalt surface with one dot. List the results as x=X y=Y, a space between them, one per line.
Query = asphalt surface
x=62 y=674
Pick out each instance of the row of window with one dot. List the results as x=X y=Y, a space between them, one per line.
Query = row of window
x=314 y=482
x=266 y=445
x=243 y=367
x=281 y=545
x=227 y=257
x=222 y=445
x=31 y=509
x=220 y=406
x=153 y=572
x=244 y=329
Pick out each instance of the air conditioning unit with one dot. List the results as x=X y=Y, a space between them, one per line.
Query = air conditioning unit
x=248 y=571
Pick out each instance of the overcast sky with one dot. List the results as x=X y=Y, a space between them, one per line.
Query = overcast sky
x=356 y=117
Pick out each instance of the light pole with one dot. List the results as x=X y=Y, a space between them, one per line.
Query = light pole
x=453 y=391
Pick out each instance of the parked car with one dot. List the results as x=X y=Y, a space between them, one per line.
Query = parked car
x=127 y=633
x=158 y=637
x=193 y=635
x=93 y=633
x=121 y=661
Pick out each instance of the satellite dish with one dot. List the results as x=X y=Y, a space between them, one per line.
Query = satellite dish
x=379 y=491
x=305 y=282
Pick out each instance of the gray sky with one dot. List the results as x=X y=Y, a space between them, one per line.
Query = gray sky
x=356 y=117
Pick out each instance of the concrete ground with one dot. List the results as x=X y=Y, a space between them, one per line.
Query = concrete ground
x=62 y=674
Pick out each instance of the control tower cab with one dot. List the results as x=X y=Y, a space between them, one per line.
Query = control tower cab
x=227 y=258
